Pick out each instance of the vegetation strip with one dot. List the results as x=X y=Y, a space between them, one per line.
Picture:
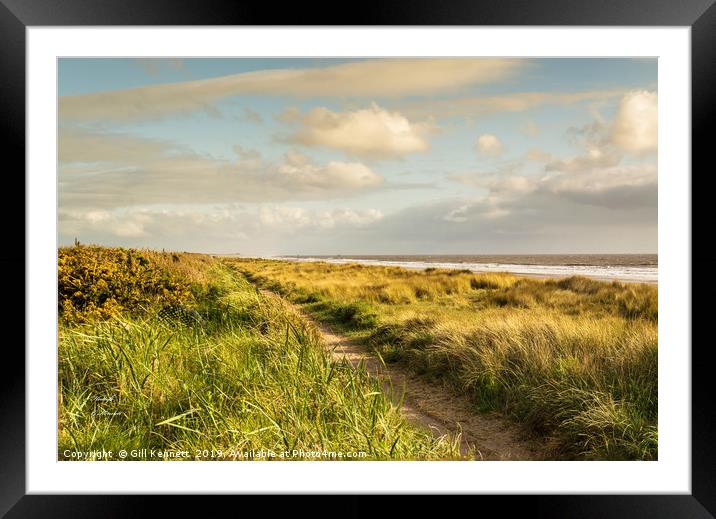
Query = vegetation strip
x=250 y=376
x=574 y=360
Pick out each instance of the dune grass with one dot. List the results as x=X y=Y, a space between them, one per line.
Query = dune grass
x=251 y=377
x=574 y=359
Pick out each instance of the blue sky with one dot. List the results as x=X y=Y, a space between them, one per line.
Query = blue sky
x=320 y=156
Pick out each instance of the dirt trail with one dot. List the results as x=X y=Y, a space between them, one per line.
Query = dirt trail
x=437 y=408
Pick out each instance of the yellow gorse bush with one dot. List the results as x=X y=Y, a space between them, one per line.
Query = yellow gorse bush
x=98 y=282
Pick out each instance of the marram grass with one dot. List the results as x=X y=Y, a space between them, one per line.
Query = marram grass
x=574 y=360
x=253 y=377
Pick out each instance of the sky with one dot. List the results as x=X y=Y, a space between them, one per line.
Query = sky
x=359 y=156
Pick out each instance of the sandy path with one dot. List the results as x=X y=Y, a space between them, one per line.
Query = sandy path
x=437 y=408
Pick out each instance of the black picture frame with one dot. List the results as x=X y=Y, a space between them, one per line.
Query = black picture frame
x=16 y=15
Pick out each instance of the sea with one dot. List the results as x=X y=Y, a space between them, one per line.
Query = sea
x=641 y=268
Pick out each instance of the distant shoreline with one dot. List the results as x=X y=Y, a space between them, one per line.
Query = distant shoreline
x=635 y=273
x=567 y=260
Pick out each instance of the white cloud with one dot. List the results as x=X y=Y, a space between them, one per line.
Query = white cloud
x=457 y=215
x=369 y=78
x=635 y=127
x=604 y=143
x=298 y=170
x=510 y=103
x=488 y=145
x=600 y=180
x=614 y=186
x=289 y=219
x=104 y=170
x=465 y=213
x=594 y=209
x=594 y=156
x=595 y=177
x=534 y=222
x=371 y=132
x=158 y=227
x=227 y=228
x=130 y=225
x=338 y=217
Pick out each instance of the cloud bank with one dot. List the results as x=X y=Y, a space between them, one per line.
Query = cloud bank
x=109 y=170
x=508 y=103
x=371 y=78
x=119 y=188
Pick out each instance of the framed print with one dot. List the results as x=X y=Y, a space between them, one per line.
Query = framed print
x=413 y=252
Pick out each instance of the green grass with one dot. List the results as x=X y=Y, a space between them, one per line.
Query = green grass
x=573 y=359
x=253 y=376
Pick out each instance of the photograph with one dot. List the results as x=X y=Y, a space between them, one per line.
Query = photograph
x=357 y=258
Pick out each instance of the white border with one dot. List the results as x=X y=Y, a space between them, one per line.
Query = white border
x=670 y=474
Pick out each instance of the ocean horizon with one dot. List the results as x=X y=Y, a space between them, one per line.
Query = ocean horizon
x=624 y=267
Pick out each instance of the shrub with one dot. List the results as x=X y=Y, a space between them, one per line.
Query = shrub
x=98 y=283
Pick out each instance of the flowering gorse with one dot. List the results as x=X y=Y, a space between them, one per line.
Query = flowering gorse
x=98 y=283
